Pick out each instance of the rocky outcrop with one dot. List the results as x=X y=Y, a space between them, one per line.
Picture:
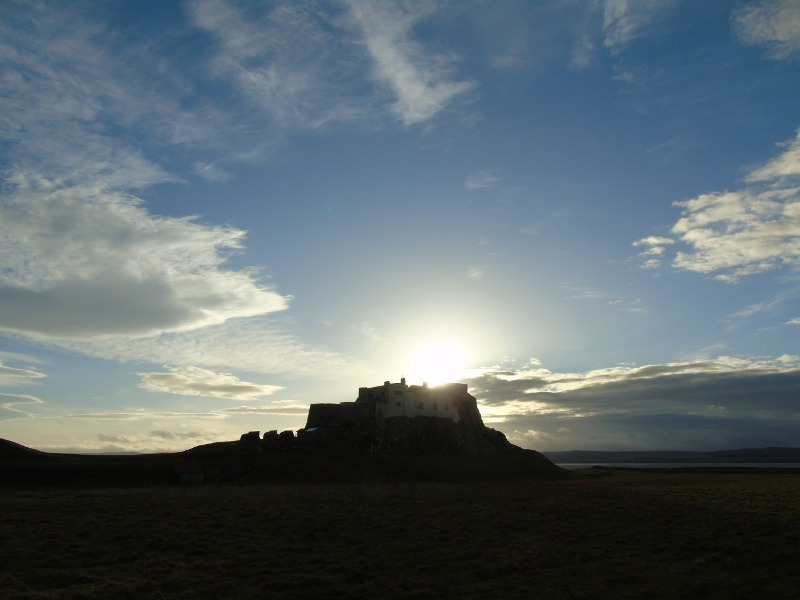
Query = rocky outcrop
x=429 y=435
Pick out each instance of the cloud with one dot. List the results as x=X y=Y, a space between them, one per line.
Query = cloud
x=477 y=272
x=157 y=440
x=779 y=303
x=253 y=345
x=794 y=321
x=9 y=402
x=482 y=180
x=177 y=435
x=714 y=404
x=655 y=246
x=193 y=381
x=269 y=410
x=740 y=233
x=83 y=261
x=582 y=53
x=420 y=79
x=583 y=293
x=142 y=415
x=73 y=102
x=13 y=377
x=17 y=377
x=83 y=112
x=772 y=24
x=785 y=165
x=210 y=171
x=368 y=331
x=627 y=20
x=286 y=61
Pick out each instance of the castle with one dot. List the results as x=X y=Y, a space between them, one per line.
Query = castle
x=376 y=405
x=397 y=417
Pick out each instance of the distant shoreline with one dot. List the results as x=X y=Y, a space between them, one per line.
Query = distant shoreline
x=745 y=456
x=739 y=468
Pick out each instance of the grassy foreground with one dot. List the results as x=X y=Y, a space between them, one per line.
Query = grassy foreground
x=627 y=535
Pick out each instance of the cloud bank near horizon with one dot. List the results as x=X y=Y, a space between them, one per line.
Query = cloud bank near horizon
x=709 y=404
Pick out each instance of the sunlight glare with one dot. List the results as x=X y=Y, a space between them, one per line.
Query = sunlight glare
x=437 y=362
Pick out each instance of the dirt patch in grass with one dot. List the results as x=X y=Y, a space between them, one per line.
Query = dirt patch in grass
x=627 y=535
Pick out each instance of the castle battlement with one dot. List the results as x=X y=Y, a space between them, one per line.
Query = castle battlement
x=450 y=401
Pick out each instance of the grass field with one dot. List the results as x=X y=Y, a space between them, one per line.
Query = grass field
x=627 y=535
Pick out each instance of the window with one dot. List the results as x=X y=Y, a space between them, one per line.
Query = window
x=434 y=406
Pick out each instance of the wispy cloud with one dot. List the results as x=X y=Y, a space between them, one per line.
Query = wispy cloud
x=783 y=167
x=276 y=409
x=11 y=377
x=368 y=332
x=777 y=304
x=481 y=180
x=422 y=81
x=773 y=24
x=72 y=109
x=193 y=381
x=12 y=402
x=286 y=61
x=626 y=20
x=583 y=52
x=740 y=233
x=711 y=403
x=583 y=293
x=477 y=272
x=210 y=171
x=156 y=440
x=254 y=345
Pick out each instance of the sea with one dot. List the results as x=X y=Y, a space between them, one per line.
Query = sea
x=716 y=465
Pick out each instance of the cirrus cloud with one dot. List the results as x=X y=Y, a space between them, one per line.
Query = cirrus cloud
x=624 y=21
x=420 y=80
x=774 y=24
x=16 y=377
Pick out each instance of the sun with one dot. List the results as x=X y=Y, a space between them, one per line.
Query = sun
x=436 y=362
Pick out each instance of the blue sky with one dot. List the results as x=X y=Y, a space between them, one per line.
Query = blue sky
x=214 y=213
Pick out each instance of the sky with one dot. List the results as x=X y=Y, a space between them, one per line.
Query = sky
x=214 y=213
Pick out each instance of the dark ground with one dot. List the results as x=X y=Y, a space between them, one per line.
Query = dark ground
x=600 y=534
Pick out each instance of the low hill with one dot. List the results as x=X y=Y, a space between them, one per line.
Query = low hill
x=248 y=461
x=12 y=451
